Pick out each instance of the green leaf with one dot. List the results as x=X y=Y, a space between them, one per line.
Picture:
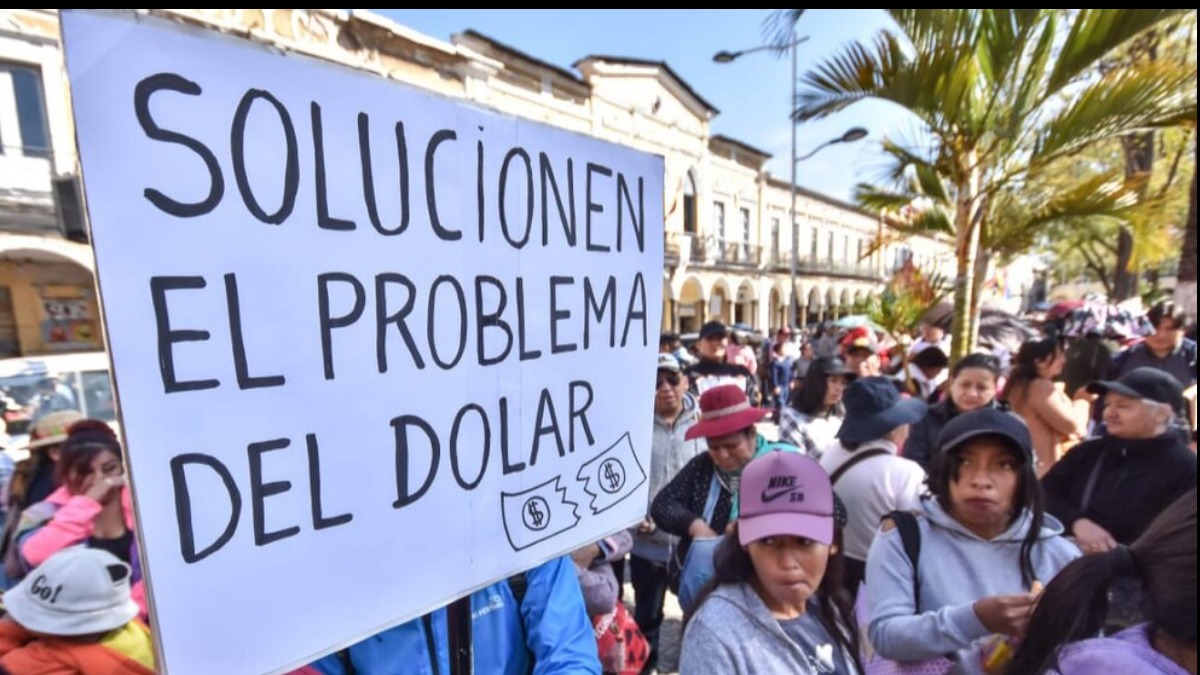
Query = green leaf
x=1096 y=33
x=1143 y=96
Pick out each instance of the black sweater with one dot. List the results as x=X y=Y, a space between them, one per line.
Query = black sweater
x=682 y=501
x=1137 y=480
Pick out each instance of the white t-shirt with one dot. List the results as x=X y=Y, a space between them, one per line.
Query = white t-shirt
x=872 y=489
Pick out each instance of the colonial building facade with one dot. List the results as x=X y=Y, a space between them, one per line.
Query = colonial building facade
x=728 y=251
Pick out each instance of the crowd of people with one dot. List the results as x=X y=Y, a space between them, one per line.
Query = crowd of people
x=914 y=515
x=964 y=492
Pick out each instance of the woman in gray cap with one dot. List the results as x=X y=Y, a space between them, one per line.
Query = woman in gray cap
x=958 y=581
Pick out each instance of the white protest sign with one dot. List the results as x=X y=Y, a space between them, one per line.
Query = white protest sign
x=375 y=348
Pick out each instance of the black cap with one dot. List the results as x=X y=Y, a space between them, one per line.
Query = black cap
x=987 y=422
x=713 y=329
x=829 y=365
x=1148 y=383
x=931 y=356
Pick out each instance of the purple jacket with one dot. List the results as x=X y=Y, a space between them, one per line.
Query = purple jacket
x=1128 y=652
x=599 y=582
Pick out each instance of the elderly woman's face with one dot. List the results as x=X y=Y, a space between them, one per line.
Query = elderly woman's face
x=1128 y=417
x=733 y=451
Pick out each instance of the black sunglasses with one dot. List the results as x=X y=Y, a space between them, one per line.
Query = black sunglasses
x=670 y=378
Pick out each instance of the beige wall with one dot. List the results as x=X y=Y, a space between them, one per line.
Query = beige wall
x=30 y=284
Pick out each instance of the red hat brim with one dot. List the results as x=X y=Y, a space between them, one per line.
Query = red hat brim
x=725 y=424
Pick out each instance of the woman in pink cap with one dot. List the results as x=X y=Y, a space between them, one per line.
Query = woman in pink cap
x=701 y=500
x=776 y=604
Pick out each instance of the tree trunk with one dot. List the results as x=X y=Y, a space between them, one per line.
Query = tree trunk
x=966 y=229
x=1125 y=281
x=1185 y=285
x=1139 y=162
x=982 y=263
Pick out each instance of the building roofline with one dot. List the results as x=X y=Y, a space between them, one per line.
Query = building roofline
x=509 y=50
x=772 y=181
x=720 y=138
x=712 y=110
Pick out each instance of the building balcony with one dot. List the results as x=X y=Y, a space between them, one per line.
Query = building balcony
x=738 y=253
x=713 y=251
x=781 y=262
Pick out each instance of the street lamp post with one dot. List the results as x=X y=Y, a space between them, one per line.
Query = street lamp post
x=850 y=136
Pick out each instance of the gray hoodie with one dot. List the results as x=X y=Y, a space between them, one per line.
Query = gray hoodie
x=733 y=633
x=957 y=568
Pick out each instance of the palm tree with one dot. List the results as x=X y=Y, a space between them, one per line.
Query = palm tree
x=1002 y=93
x=1185 y=286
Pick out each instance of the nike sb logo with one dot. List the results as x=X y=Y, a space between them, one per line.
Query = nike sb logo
x=778 y=486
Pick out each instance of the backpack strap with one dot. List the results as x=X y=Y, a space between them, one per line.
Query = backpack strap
x=910 y=537
x=858 y=458
x=519 y=585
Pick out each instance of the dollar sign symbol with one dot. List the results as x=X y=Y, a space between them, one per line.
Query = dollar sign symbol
x=612 y=476
x=536 y=516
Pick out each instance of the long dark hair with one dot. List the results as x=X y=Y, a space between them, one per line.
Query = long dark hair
x=944 y=468
x=1074 y=605
x=1024 y=369
x=809 y=399
x=732 y=565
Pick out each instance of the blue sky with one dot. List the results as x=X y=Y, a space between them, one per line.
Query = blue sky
x=752 y=93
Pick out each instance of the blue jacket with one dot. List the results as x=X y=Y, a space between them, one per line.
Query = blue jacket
x=549 y=634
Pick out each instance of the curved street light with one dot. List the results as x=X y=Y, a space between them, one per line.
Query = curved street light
x=851 y=135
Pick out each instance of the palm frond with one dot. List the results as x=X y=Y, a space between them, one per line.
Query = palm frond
x=926 y=222
x=932 y=29
x=1004 y=34
x=1096 y=33
x=1143 y=96
x=779 y=28
x=857 y=72
x=879 y=200
x=1028 y=90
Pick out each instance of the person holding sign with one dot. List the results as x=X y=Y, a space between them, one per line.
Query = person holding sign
x=532 y=623
x=777 y=605
x=92 y=507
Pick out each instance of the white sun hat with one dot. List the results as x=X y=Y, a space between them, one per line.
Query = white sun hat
x=77 y=591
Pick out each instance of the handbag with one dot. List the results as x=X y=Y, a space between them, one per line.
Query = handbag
x=697 y=567
x=622 y=647
x=873 y=663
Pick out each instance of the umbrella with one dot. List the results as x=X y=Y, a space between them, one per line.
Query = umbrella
x=999 y=331
x=857 y=321
x=1063 y=309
